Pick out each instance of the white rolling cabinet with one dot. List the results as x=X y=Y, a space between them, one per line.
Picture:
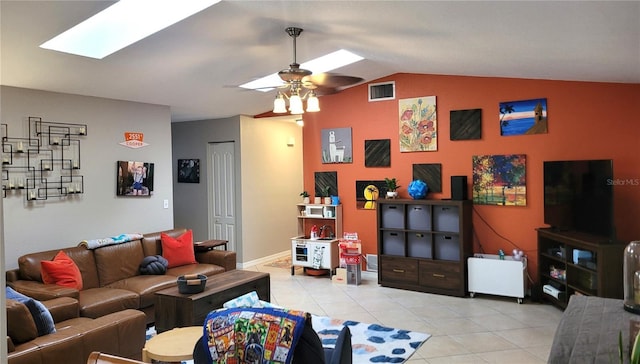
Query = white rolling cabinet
x=491 y=275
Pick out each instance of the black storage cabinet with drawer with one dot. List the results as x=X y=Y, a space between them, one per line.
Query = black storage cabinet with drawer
x=423 y=245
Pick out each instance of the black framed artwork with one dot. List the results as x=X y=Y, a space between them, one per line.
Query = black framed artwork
x=431 y=174
x=465 y=124
x=377 y=153
x=324 y=180
x=189 y=170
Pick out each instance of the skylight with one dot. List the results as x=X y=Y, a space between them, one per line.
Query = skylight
x=123 y=24
x=321 y=64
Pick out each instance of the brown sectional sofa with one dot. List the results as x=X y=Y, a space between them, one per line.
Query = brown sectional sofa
x=120 y=333
x=110 y=275
x=113 y=289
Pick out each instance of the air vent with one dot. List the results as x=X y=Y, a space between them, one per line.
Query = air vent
x=382 y=91
x=372 y=262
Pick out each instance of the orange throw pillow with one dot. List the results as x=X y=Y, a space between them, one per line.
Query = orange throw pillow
x=178 y=251
x=62 y=271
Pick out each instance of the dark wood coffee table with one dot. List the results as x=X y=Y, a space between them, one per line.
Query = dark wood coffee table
x=174 y=309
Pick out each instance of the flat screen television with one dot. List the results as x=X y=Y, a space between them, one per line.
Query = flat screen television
x=578 y=196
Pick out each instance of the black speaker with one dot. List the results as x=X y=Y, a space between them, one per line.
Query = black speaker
x=458 y=187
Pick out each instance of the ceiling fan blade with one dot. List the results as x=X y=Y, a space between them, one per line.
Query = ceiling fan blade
x=265 y=88
x=323 y=91
x=332 y=80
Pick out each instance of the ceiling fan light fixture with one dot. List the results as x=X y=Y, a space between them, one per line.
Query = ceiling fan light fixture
x=295 y=104
x=313 y=105
x=279 y=105
x=300 y=83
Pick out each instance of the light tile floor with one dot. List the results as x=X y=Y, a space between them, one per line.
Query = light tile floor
x=483 y=329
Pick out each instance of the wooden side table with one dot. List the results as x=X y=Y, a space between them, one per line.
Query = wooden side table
x=203 y=246
x=173 y=345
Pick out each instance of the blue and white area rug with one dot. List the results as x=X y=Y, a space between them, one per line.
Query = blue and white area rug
x=371 y=343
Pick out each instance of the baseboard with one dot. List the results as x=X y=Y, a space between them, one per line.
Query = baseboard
x=263 y=260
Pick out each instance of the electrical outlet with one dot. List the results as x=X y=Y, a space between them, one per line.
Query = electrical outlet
x=166 y=204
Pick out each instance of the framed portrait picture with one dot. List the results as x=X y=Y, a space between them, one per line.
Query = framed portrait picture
x=134 y=178
x=189 y=170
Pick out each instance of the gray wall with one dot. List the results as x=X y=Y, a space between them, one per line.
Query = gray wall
x=3 y=283
x=189 y=141
x=97 y=213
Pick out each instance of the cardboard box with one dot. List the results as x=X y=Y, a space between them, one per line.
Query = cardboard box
x=340 y=277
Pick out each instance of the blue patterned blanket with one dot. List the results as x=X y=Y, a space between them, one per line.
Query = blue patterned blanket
x=371 y=343
x=97 y=243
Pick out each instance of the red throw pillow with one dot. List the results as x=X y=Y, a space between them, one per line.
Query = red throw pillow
x=178 y=251
x=62 y=271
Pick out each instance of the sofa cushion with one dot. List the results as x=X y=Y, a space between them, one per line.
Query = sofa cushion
x=201 y=268
x=20 y=325
x=117 y=262
x=63 y=308
x=178 y=251
x=145 y=286
x=97 y=302
x=41 y=315
x=62 y=271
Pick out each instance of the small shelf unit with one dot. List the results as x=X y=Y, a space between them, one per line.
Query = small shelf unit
x=317 y=253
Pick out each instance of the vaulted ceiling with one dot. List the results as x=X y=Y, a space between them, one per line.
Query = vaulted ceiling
x=194 y=65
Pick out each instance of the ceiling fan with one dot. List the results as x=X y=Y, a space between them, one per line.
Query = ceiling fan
x=302 y=84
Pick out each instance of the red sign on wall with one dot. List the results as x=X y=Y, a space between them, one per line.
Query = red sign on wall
x=133 y=140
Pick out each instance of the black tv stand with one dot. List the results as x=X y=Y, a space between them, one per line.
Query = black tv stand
x=559 y=229
x=561 y=263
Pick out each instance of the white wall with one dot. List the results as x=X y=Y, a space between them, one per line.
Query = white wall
x=98 y=212
x=272 y=180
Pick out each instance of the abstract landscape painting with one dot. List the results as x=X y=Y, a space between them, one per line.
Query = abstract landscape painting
x=499 y=180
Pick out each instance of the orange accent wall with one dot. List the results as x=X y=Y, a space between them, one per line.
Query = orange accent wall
x=586 y=120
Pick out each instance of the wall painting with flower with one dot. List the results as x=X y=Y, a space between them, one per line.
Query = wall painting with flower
x=499 y=180
x=418 y=124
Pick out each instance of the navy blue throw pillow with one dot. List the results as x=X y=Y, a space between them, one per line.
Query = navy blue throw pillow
x=41 y=315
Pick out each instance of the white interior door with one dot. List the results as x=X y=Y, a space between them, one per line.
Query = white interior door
x=222 y=209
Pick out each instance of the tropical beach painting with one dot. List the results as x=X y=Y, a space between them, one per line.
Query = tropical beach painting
x=368 y=192
x=418 y=124
x=500 y=180
x=523 y=117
